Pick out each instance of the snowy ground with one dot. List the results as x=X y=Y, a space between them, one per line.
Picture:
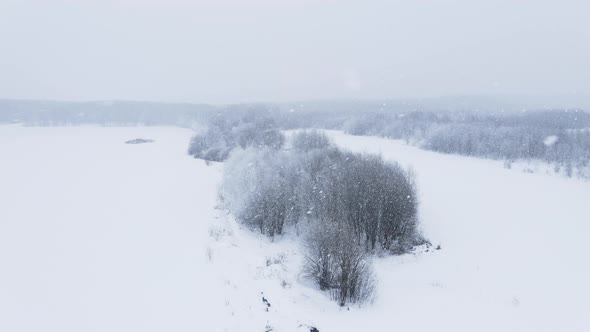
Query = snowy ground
x=98 y=235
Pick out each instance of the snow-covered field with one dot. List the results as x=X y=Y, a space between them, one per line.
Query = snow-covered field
x=98 y=235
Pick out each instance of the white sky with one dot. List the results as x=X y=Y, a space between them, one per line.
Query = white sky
x=228 y=51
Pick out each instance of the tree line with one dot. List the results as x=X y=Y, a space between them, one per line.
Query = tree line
x=560 y=137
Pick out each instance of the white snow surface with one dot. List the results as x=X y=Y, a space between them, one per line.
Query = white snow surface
x=98 y=235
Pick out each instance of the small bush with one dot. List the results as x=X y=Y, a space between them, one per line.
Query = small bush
x=310 y=140
x=337 y=265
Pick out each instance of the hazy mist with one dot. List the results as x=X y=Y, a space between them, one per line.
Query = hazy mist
x=239 y=51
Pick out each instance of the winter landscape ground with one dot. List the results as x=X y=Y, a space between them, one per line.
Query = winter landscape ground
x=99 y=235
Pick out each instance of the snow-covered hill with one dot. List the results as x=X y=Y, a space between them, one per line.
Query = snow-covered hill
x=98 y=235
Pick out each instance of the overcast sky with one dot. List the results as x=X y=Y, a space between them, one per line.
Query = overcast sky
x=225 y=51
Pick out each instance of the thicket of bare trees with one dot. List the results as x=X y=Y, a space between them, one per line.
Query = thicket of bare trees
x=310 y=140
x=561 y=138
x=348 y=205
x=226 y=133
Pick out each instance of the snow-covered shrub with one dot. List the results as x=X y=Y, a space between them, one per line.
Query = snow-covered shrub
x=278 y=259
x=259 y=188
x=310 y=140
x=376 y=199
x=258 y=134
x=224 y=134
x=337 y=265
x=219 y=231
x=211 y=145
x=320 y=265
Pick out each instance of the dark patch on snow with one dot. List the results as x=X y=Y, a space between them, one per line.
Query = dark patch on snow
x=265 y=301
x=139 y=141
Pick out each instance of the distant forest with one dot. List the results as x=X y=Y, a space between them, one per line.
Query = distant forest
x=471 y=127
x=116 y=113
x=558 y=137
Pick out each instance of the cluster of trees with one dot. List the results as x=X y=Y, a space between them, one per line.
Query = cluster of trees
x=347 y=204
x=560 y=137
x=225 y=133
x=512 y=143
